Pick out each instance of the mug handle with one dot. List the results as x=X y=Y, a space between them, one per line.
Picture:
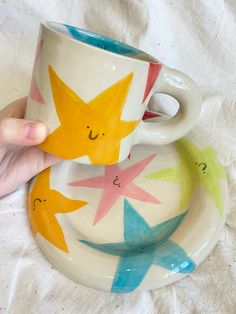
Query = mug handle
x=178 y=85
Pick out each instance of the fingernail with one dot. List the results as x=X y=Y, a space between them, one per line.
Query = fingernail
x=34 y=131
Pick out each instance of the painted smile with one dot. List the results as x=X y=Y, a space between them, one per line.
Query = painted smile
x=116 y=181
x=37 y=200
x=200 y=166
x=91 y=137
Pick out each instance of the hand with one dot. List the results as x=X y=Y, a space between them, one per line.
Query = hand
x=20 y=159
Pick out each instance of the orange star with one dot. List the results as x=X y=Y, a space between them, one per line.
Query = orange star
x=95 y=128
x=43 y=204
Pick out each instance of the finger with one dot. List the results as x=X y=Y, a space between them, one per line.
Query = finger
x=22 y=166
x=22 y=132
x=16 y=109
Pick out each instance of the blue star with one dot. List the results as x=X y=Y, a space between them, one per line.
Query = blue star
x=101 y=41
x=144 y=246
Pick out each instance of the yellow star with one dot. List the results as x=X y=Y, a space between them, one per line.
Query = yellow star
x=196 y=166
x=43 y=204
x=95 y=128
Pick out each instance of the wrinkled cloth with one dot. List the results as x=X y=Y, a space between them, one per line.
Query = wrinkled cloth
x=197 y=37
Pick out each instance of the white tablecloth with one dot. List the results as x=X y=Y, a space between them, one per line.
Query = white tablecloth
x=197 y=37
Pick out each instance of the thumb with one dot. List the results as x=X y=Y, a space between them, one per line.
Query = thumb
x=22 y=132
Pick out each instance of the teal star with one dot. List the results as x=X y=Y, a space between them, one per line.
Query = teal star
x=143 y=246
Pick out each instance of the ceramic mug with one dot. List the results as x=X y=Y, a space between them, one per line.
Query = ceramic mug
x=92 y=92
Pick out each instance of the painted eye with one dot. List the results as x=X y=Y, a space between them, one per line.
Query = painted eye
x=44 y=200
x=103 y=134
x=87 y=127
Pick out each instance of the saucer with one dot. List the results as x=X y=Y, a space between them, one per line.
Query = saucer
x=138 y=225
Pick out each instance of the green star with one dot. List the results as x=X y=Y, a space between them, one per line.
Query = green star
x=196 y=166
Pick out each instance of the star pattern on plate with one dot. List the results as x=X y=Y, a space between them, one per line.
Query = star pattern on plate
x=144 y=246
x=43 y=205
x=94 y=129
x=35 y=93
x=196 y=166
x=116 y=182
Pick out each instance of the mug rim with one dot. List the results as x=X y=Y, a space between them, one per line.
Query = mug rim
x=48 y=26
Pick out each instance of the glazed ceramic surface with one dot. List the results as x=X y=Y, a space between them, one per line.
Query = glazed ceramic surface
x=92 y=92
x=139 y=225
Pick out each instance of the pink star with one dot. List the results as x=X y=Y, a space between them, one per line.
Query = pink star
x=117 y=182
x=35 y=93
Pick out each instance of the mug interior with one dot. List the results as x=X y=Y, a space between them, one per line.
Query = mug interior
x=100 y=41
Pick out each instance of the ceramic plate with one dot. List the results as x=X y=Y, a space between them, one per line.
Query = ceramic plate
x=137 y=225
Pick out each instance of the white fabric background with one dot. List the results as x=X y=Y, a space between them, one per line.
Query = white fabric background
x=197 y=37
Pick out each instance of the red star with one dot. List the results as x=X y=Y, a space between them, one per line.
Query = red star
x=153 y=71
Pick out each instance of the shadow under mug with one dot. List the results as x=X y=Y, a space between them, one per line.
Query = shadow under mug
x=92 y=92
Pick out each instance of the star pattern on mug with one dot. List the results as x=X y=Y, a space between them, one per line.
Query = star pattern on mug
x=153 y=72
x=35 y=92
x=196 y=166
x=150 y=115
x=94 y=129
x=117 y=182
x=143 y=247
x=44 y=204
